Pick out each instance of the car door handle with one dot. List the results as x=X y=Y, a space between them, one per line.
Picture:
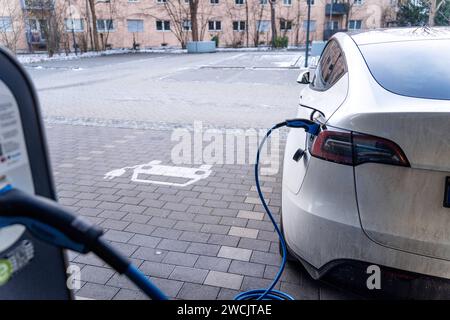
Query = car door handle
x=298 y=154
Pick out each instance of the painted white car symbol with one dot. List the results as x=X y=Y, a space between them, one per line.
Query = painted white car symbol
x=143 y=173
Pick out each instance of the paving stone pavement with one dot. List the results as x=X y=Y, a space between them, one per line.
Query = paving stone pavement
x=208 y=240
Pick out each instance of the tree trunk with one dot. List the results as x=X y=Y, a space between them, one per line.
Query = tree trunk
x=432 y=13
x=246 y=21
x=272 y=19
x=94 y=24
x=193 y=8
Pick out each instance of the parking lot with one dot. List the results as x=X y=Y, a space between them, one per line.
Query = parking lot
x=205 y=238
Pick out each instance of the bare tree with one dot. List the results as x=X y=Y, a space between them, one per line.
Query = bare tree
x=235 y=14
x=204 y=14
x=434 y=7
x=298 y=23
x=273 y=21
x=94 y=24
x=11 y=27
x=348 y=5
x=257 y=12
x=193 y=10
x=112 y=13
x=178 y=13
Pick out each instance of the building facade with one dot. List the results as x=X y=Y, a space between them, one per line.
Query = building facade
x=41 y=24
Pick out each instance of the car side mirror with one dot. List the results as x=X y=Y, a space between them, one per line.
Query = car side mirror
x=304 y=77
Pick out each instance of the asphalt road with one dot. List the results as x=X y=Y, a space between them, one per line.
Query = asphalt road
x=155 y=90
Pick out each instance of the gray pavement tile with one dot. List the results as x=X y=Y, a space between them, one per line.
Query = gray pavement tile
x=214 y=228
x=156 y=269
x=243 y=232
x=97 y=291
x=203 y=249
x=144 y=241
x=224 y=280
x=168 y=286
x=225 y=240
x=247 y=268
x=189 y=274
x=149 y=254
x=227 y=294
x=167 y=233
x=181 y=259
x=95 y=274
x=235 y=253
x=192 y=291
x=114 y=224
x=126 y=294
x=266 y=258
x=212 y=263
x=255 y=244
x=118 y=236
x=140 y=228
x=195 y=236
x=173 y=245
x=134 y=217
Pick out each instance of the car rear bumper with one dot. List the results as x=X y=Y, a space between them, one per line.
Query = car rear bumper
x=323 y=241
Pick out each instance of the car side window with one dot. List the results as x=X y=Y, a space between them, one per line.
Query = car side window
x=331 y=67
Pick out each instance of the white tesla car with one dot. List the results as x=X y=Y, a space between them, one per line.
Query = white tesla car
x=374 y=185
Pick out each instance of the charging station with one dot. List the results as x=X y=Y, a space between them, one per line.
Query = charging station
x=29 y=267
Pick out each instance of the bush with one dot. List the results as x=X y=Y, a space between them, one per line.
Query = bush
x=281 y=42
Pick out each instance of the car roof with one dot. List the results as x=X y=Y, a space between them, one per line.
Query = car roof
x=400 y=34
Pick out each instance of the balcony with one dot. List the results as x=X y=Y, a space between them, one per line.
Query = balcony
x=38 y=4
x=336 y=9
x=328 y=33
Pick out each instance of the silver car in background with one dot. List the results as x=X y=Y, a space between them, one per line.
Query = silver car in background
x=374 y=185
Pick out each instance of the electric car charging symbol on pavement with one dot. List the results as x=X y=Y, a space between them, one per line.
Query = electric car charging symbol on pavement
x=143 y=173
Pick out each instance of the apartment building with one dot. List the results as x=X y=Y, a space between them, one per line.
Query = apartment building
x=37 y=24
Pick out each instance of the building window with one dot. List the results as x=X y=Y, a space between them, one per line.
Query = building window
x=75 y=25
x=333 y=25
x=163 y=25
x=214 y=1
x=310 y=2
x=287 y=2
x=263 y=2
x=285 y=25
x=263 y=25
x=358 y=2
x=354 y=24
x=312 y=25
x=214 y=25
x=187 y=25
x=5 y=24
x=239 y=25
x=105 y=25
x=239 y=2
x=161 y=1
x=135 y=25
x=131 y=1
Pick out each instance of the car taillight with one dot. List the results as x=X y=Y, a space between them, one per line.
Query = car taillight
x=351 y=148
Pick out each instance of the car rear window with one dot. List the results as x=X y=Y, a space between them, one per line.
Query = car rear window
x=419 y=69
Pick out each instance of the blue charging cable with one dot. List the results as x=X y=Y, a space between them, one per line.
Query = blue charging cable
x=270 y=293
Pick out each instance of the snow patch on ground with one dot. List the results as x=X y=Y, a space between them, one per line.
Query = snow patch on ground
x=42 y=57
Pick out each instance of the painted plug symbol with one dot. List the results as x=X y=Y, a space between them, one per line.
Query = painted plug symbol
x=115 y=173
